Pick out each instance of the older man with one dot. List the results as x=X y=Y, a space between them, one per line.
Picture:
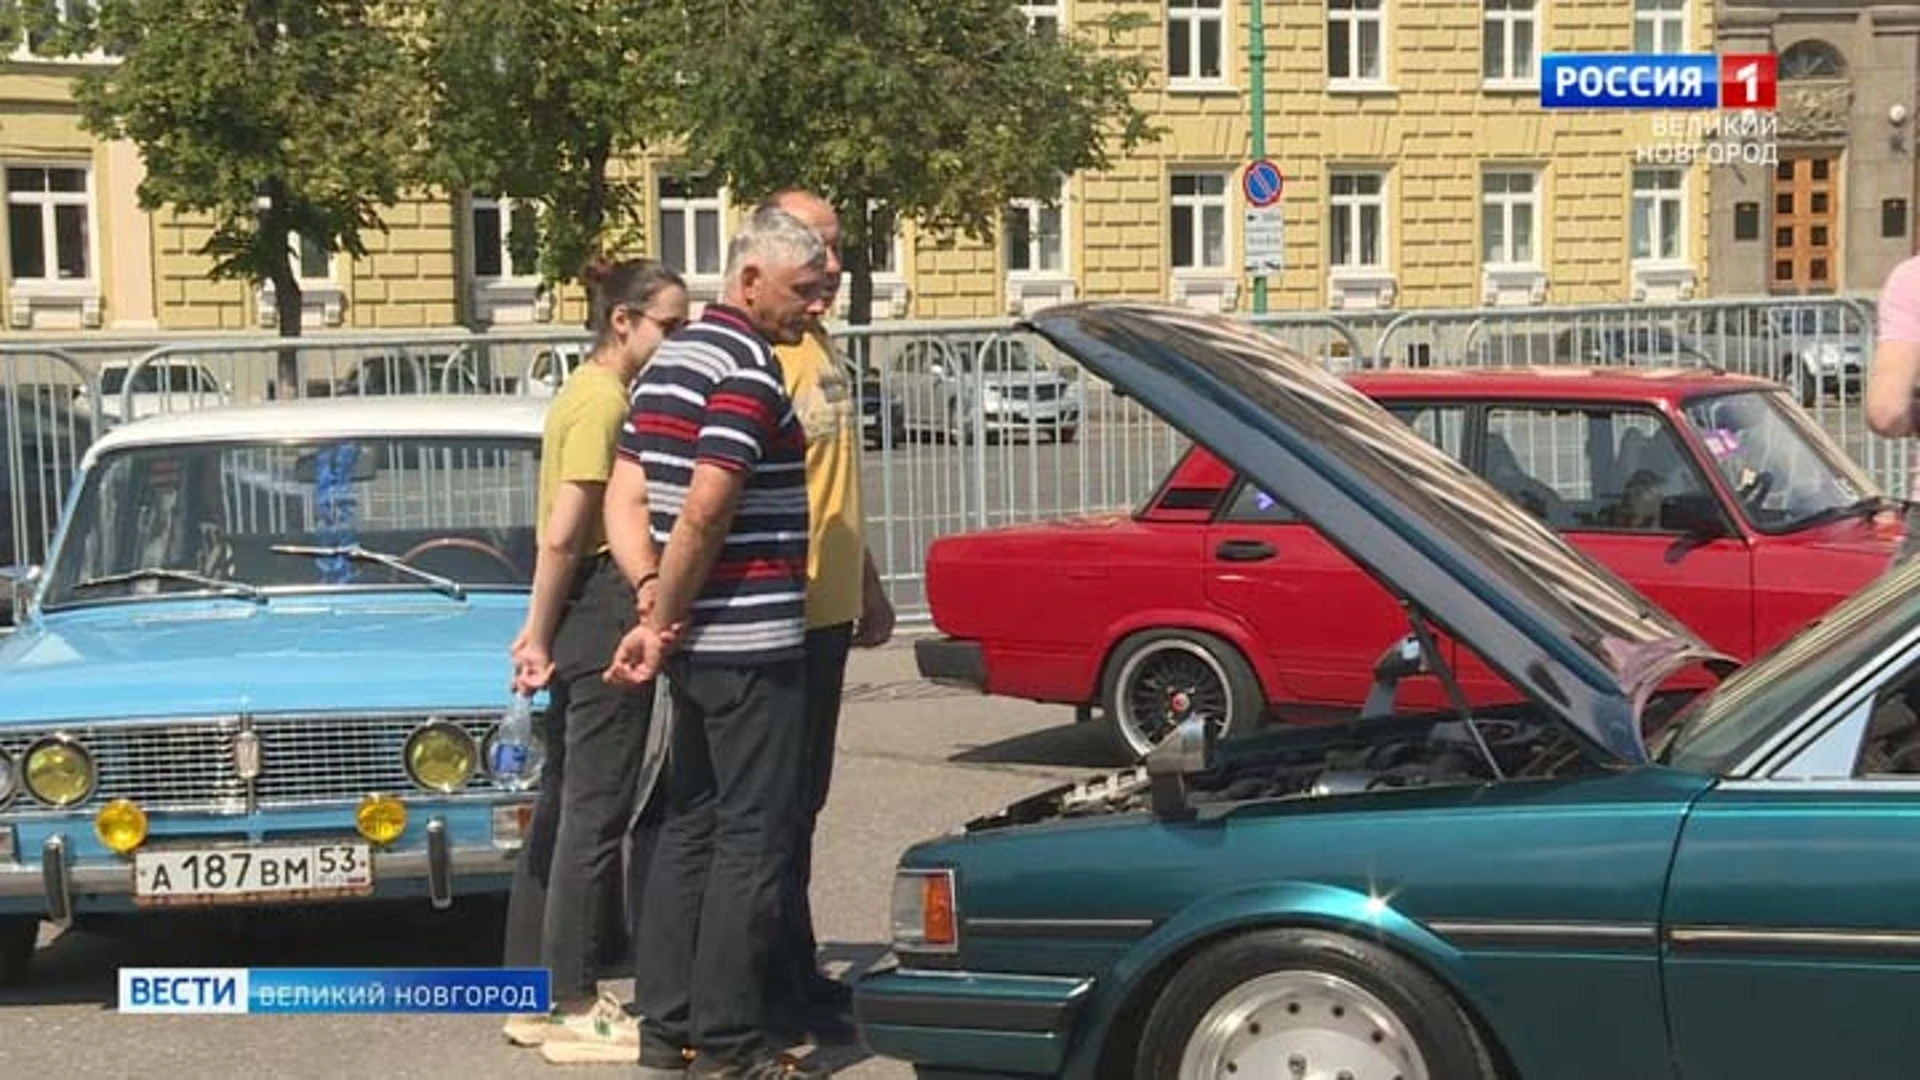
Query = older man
x=714 y=432
x=846 y=605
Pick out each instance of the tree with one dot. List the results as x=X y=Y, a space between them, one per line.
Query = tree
x=543 y=101
x=274 y=117
x=934 y=111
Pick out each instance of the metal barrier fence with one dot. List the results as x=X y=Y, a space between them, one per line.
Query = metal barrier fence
x=969 y=425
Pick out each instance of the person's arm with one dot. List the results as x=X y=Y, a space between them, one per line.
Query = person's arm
x=1891 y=382
x=876 y=611
x=574 y=505
x=629 y=530
x=696 y=541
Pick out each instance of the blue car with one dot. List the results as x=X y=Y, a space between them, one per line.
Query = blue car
x=1647 y=863
x=263 y=663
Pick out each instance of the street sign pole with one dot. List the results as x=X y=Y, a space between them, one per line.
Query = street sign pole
x=1257 y=56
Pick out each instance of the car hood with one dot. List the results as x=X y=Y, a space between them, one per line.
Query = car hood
x=1564 y=630
x=291 y=654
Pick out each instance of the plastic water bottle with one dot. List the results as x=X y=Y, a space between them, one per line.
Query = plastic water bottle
x=515 y=752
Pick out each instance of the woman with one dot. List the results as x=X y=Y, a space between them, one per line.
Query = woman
x=566 y=906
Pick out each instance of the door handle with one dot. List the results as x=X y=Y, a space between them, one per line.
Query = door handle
x=1244 y=550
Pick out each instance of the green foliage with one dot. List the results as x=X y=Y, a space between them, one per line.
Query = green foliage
x=935 y=111
x=311 y=103
x=543 y=101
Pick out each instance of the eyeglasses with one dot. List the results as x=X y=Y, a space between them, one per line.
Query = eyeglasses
x=668 y=327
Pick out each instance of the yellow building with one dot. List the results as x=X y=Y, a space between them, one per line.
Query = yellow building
x=1420 y=172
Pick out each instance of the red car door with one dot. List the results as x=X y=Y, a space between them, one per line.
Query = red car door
x=1323 y=621
x=1618 y=482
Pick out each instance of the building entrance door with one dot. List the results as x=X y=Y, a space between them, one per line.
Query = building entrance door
x=1806 y=224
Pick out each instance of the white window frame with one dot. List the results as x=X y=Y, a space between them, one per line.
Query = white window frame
x=49 y=234
x=1196 y=14
x=1650 y=187
x=1359 y=16
x=1352 y=206
x=1033 y=288
x=322 y=299
x=1507 y=15
x=1054 y=11
x=506 y=207
x=705 y=285
x=1197 y=205
x=1504 y=205
x=294 y=243
x=1661 y=18
x=890 y=291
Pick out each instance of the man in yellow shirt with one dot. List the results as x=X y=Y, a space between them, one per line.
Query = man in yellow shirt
x=847 y=605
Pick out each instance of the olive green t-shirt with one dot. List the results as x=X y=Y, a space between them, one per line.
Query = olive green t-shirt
x=576 y=445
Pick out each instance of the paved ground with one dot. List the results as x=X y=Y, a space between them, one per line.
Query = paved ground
x=914 y=760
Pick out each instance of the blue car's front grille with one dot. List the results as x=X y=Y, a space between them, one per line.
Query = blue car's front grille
x=189 y=765
x=310 y=759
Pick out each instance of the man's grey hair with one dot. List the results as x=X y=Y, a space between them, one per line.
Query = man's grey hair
x=776 y=238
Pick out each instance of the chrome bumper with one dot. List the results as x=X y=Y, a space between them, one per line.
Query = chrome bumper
x=57 y=880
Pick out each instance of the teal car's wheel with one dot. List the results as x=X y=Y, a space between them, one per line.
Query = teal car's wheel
x=1307 y=1004
x=18 y=933
x=1158 y=679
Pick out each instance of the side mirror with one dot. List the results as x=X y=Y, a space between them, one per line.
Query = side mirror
x=17 y=586
x=1697 y=516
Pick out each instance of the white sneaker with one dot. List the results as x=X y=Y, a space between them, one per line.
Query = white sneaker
x=602 y=1035
x=530 y=1029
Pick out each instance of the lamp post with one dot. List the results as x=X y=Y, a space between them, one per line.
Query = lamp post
x=1257 y=58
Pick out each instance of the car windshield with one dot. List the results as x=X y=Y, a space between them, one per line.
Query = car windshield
x=1717 y=730
x=179 y=379
x=458 y=507
x=1784 y=471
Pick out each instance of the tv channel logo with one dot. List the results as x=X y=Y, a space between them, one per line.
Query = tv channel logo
x=1664 y=81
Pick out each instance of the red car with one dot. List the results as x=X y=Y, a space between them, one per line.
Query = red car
x=1714 y=495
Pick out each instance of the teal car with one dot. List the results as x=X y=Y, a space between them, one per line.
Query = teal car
x=1646 y=864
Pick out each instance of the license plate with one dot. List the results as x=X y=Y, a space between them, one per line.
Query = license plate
x=240 y=875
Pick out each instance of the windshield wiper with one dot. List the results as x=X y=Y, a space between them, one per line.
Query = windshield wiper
x=1866 y=507
x=357 y=553
x=161 y=573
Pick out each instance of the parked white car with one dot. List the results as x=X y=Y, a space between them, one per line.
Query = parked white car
x=1817 y=352
x=164 y=386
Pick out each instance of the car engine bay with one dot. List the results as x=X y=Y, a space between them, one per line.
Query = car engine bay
x=1312 y=763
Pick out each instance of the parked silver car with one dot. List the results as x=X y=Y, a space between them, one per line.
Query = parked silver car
x=992 y=387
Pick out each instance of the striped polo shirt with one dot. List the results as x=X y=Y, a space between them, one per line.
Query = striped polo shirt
x=713 y=394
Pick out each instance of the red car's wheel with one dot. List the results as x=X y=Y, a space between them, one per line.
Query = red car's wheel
x=1157 y=679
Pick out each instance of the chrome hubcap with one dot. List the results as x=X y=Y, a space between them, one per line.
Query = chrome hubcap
x=1301 y=1025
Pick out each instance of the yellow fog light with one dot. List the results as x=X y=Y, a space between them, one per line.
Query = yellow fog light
x=380 y=818
x=59 y=771
x=440 y=756
x=121 y=825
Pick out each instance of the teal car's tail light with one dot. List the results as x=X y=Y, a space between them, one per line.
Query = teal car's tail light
x=925 y=915
x=58 y=771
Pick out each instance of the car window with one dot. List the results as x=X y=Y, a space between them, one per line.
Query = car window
x=1445 y=426
x=1784 y=471
x=1597 y=469
x=1890 y=747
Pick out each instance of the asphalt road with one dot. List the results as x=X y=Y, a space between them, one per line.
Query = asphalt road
x=914 y=761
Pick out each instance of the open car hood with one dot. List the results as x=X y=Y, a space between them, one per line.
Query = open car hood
x=1564 y=630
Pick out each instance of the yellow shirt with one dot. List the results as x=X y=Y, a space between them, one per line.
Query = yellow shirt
x=823 y=399
x=576 y=445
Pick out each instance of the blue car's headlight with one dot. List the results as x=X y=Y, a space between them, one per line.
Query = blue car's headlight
x=9 y=778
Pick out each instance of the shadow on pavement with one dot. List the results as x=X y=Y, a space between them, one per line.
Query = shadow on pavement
x=81 y=965
x=846 y=961
x=1078 y=746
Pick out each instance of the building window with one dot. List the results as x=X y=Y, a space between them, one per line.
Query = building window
x=1036 y=237
x=311 y=259
x=1658 y=199
x=1746 y=221
x=690 y=224
x=1508 y=43
x=66 y=11
x=1354 y=36
x=1196 y=30
x=495 y=224
x=1509 y=206
x=49 y=230
x=1199 y=216
x=1811 y=60
x=1659 y=26
x=1043 y=18
x=1893 y=218
x=1357 y=223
